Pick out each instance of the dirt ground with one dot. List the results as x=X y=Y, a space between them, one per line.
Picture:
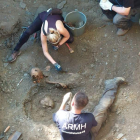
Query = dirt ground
x=98 y=55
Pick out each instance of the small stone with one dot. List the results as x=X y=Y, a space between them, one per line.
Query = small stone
x=5 y=64
x=120 y=136
x=22 y=5
x=26 y=75
x=100 y=82
x=118 y=112
x=48 y=68
x=92 y=65
x=83 y=49
x=105 y=35
x=114 y=50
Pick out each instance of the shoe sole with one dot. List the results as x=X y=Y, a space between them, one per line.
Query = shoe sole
x=124 y=33
x=15 y=57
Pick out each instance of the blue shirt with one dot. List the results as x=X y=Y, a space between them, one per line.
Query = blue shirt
x=74 y=126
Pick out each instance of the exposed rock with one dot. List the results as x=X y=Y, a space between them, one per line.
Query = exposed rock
x=9 y=26
x=61 y=4
x=22 y=5
x=40 y=9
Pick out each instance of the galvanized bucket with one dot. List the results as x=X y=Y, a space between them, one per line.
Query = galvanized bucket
x=78 y=20
x=135 y=18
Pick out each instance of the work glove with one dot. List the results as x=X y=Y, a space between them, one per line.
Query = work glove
x=55 y=48
x=107 y=5
x=58 y=67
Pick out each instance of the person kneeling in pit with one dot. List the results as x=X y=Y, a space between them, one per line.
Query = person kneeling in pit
x=122 y=12
x=75 y=125
x=50 y=23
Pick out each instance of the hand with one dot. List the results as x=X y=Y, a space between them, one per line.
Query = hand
x=106 y=5
x=58 y=67
x=55 y=48
x=67 y=97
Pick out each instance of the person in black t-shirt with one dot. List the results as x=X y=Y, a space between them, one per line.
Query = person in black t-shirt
x=75 y=125
x=121 y=11
x=52 y=29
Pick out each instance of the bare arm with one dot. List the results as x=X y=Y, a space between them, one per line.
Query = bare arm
x=62 y=107
x=63 y=31
x=121 y=10
x=66 y=98
x=45 y=48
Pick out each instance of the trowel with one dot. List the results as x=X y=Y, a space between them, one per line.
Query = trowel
x=70 y=49
x=3 y=133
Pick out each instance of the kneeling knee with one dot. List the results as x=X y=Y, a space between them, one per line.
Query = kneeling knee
x=71 y=40
x=117 y=19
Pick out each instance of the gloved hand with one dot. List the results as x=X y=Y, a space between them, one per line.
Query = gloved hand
x=55 y=48
x=106 y=5
x=58 y=67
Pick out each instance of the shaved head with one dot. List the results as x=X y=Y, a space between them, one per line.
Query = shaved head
x=80 y=100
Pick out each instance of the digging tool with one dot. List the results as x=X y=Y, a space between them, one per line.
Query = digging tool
x=3 y=133
x=70 y=49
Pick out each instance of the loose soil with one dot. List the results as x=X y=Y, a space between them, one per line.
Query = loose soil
x=98 y=55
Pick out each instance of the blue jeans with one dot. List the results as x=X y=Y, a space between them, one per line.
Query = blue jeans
x=121 y=21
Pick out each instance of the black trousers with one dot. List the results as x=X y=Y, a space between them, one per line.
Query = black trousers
x=33 y=28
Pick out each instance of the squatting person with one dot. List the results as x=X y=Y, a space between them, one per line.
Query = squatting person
x=75 y=125
x=121 y=11
x=52 y=29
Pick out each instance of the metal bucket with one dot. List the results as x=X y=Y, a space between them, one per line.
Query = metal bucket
x=78 y=20
x=135 y=18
